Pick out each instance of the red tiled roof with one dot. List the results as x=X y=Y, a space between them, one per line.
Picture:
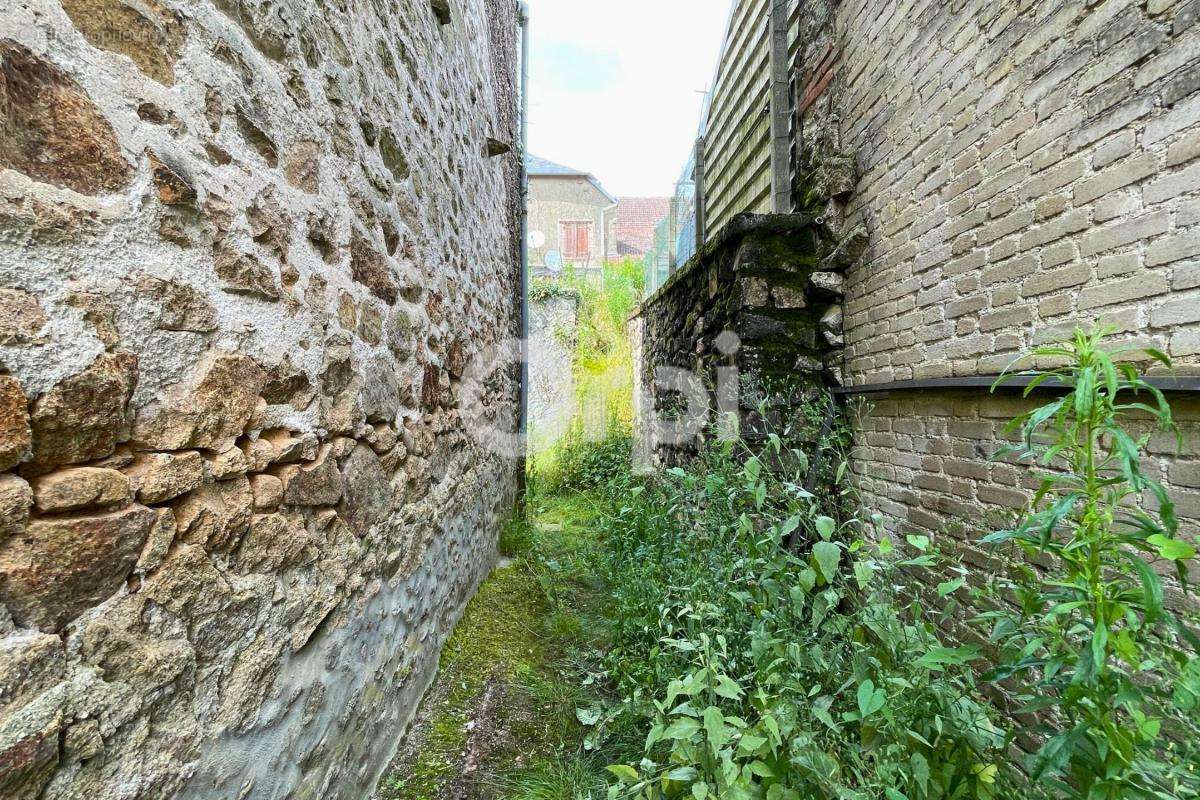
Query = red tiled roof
x=637 y=217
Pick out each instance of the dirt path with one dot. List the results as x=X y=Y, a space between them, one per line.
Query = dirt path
x=500 y=721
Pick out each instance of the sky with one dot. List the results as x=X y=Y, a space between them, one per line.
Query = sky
x=615 y=86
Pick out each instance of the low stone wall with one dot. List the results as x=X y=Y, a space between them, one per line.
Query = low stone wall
x=757 y=308
x=246 y=250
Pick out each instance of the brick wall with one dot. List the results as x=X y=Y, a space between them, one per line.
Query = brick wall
x=923 y=461
x=1026 y=167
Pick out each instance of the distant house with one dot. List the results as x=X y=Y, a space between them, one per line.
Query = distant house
x=637 y=220
x=571 y=218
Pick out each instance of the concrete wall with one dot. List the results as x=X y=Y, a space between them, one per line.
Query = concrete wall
x=1027 y=167
x=553 y=322
x=573 y=199
x=246 y=249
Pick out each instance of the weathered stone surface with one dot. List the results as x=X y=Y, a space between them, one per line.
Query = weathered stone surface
x=158 y=542
x=258 y=453
x=121 y=643
x=787 y=297
x=158 y=477
x=210 y=411
x=381 y=437
x=83 y=417
x=29 y=747
x=171 y=187
x=21 y=317
x=315 y=484
x=61 y=567
x=268 y=492
x=16 y=439
x=183 y=307
x=275 y=542
x=100 y=313
x=302 y=166
x=222 y=466
x=289 y=447
x=828 y=283
x=51 y=130
x=831 y=326
x=217 y=515
x=79 y=488
x=31 y=662
x=242 y=273
x=16 y=497
x=370 y=268
x=368 y=490
x=145 y=31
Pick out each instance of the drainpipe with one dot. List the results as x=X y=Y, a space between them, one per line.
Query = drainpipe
x=523 y=424
x=604 y=232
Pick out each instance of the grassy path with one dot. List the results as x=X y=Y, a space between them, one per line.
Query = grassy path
x=501 y=720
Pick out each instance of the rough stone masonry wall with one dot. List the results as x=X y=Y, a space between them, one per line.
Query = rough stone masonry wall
x=1026 y=167
x=246 y=248
x=772 y=281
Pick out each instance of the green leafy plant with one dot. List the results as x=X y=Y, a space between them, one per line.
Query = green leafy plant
x=1109 y=672
x=766 y=673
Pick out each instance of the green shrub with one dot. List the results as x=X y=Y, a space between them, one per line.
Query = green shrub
x=1110 y=672
x=765 y=674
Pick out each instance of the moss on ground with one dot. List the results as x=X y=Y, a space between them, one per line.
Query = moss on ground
x=500 y=721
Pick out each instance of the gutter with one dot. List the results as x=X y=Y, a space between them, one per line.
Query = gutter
x=523 y=402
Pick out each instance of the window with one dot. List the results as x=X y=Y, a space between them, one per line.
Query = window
x=575 y=239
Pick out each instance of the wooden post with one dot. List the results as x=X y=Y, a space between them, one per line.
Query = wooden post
x=698 y=177
x=781 y=167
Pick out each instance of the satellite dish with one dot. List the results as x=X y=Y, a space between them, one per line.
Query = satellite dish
x=554 y=261
x=537 y=239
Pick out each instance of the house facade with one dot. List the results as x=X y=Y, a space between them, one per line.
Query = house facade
x=572 y=218
x=637 y=220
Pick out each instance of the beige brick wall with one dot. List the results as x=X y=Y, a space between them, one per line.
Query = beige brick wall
x=924 y=462
x=1027 y=167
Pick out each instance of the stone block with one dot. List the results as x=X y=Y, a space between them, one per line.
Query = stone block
x=16 y=498
x=1180 y=310
x=1129 y=171
x=61 y=567
x=216 y=516
x=80 y=488
x=1113 y=236
x=16 y=438
x=158 y=477
x=268 y=492
x=55 y=133
x=315 y=484
x=84 y=416
x=209 y=411
x=21 y=317
x=1173 y=248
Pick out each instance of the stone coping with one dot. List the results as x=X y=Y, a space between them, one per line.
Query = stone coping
x=730 y=235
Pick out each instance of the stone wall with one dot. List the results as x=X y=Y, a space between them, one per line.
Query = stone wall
x=246 y=249
x=762 y=298
x=1026 y=167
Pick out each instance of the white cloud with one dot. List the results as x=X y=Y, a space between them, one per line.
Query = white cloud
x=615 y=85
